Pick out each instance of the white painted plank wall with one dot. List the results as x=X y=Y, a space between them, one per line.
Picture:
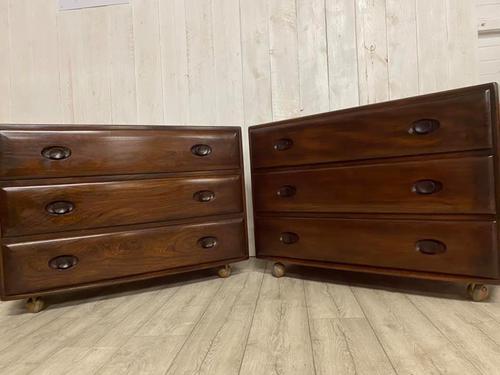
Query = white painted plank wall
x=227 y=62
x=488 y=13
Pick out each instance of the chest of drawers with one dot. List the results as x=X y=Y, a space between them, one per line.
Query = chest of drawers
x=408 y=187
x=86 y=206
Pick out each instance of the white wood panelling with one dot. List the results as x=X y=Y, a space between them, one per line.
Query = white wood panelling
x=229 y=62
x=488 y=13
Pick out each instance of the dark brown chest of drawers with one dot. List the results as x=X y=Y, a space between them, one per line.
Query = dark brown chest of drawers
x=408 y=187
x=85 y=206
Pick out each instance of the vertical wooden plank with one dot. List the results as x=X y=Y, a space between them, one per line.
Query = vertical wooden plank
x=402 y=48
x=256 y=61
x=462 y=43
x=372 y=51
x=173 y=46
x=34 y=68
x=313 y=61
x=228 y=69
x=432 y=39
x=85 y=70
x=5 y=63
x=342 y=53
x=148 y=69
x=284 y=59
x=122 y=65
x=200 y=55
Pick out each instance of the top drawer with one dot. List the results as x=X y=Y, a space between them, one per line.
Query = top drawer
x=52 y=152
x=456 y=120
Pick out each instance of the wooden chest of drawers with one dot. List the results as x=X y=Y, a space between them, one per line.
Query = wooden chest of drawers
x=408 y=187
x=85 y=206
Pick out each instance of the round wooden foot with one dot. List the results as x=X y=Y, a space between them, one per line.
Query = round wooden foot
x=35 y=304
x=224 y=271
x=478 y=292
x=278 y=270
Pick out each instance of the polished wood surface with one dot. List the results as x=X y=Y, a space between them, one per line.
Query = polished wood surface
x=32 y=266
x=469 y=248
x=380 y=130
x=91 y=151
x=444 y=186
x=27 y=209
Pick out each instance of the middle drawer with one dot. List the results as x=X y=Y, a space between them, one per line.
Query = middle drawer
x=447 y=186
x=52 y=208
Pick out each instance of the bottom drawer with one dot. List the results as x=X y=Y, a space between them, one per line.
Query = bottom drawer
x=43 y=265
x=453 y=247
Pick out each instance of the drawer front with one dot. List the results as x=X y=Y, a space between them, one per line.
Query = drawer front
x=44 y=265
x=463 y=248
x=53 y=208
x=34 y=153
x=460 y=122
x=436 y=186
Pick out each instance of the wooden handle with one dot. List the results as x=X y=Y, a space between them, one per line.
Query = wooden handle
x=201 y=150
x=283 y=144
x=56 y=152
x=60 y=207
x=426 y=187
x=63 y=262
x=204 y=196
x=208 y=242
x=289 y=238
x=430 y=247
x=286 y=191
x=423 y=126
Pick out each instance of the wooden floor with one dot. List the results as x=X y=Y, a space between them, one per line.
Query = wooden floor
x=309 y=322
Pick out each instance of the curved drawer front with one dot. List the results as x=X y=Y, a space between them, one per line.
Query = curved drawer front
x=433 y=124
x=43 y=153
x=437 y=186
x=461 y=247
x=44 y=265
x=53 y=208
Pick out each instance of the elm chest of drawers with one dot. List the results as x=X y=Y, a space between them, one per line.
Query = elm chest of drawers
x=408 y=188
x=85 y=206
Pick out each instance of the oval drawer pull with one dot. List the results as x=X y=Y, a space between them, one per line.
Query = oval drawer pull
x=63 y=262
x=201 y=150
x=60 y=208
x=283 y=144
x=426 y=187
x=204 y=196
x=208 y=242
x=289 y=238
x=430 y=247
x=56 y=152
x=286 y=191
x=423 y=126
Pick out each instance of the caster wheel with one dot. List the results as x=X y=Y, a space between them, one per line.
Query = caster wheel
x=278 y=270
x=35 y=304
x=478 y=292
x=224 y=271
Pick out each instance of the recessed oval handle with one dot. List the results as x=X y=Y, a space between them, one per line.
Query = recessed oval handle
x=423 y=126
x=426 y=187
x=283 y=144
x=63 y=262
x=56 y=152
x=286 y=191
x=208 y=242
x=60 y=207
x=430 y=247
x=289 y=238
x=204 y=196
x=201 y=150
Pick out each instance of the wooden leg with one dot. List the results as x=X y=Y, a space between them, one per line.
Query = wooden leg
x=478 y=292
x=35 y=304
x=278 y=270
x=224 y=271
